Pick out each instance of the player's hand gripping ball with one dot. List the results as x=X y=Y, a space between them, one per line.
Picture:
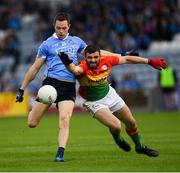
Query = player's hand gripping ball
x=47 y=94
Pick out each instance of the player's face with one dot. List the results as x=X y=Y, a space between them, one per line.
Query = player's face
x=61 y=28
x=93 y=59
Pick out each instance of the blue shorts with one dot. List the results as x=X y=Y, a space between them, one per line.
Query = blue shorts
x=65 y=90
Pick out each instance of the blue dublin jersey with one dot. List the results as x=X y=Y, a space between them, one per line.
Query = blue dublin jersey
x=49 y=50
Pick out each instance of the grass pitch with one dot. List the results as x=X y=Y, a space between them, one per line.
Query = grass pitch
x=90 y=147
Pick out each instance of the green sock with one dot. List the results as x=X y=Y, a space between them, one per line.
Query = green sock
x=118 y=138
x=137 y=140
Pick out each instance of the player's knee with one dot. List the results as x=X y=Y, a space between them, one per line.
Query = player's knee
x=116 y=128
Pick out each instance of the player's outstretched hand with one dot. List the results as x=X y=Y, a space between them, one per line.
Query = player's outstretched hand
x=132 y=52
x=19 y=96
x=64 y=58
x=158 y=63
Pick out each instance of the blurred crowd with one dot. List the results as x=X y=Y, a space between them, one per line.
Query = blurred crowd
x=115 y=25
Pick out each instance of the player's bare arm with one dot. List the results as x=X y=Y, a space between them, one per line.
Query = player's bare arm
x=76 y=70
x=31 y=73
x=129 y=59
x=133 y=60
x=132 y=57
x=157 y=63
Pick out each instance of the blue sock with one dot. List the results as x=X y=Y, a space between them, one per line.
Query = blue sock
x=60 y=152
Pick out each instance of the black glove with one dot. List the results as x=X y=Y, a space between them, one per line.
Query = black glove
x=19 y=96
x=64 y=58
x=131 y=53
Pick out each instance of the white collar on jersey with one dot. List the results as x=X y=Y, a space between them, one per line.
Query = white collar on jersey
x=55 y=36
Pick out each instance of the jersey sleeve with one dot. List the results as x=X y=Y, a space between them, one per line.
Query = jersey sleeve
x=42 y=51
x=82 y=44
x=82 y=64
x=113 y=60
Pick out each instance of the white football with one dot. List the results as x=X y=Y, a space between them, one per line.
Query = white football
x=47 y=94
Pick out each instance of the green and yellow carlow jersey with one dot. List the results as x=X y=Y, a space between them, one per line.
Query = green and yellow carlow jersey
x=93 y=82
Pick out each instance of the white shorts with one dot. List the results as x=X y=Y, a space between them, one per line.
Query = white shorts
x=112 y=101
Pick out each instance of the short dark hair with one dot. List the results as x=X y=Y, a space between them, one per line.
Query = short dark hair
x=91 y=49
x=61 y=17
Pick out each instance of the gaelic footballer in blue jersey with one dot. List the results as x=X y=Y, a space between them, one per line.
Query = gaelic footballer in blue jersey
x=56 y=75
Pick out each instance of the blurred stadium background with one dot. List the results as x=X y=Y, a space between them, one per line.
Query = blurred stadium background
x=150 y=27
